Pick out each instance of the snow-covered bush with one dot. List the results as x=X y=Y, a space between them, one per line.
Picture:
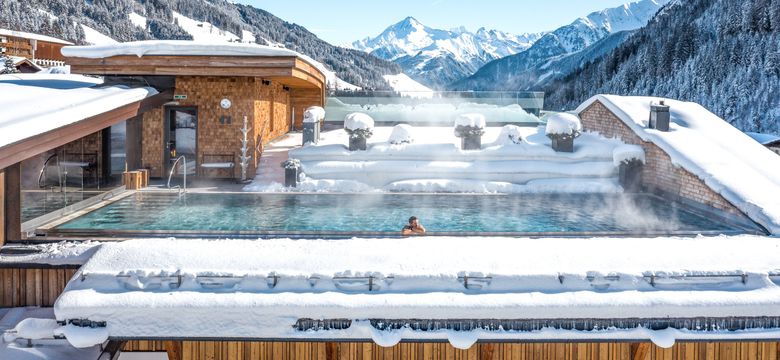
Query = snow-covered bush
x=359 y=125
x=402 y=134
x=7 y=65
x=510 y=134
x=563 y=125
x=467 y=125
x=626 y=154
x=291 y=164
x=313 y=114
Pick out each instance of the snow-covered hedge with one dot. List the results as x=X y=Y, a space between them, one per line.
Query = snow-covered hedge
x=469 y=125
x=401 y=134
x=510 y=134
x=563 y=124
x=627 y=153
x=358 y=121
x=313 y=114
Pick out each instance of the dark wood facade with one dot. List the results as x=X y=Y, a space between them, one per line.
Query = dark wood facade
x=16 y=44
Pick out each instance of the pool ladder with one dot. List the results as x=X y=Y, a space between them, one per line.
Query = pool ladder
x=182 y=190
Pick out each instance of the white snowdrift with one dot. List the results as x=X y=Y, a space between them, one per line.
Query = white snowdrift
x=37 y=103
x=402 y=134
x=225 y=290
x=731 y=163
x=470 y=120
x=563 y=123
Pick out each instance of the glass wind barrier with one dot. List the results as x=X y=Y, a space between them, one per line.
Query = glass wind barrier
x=436 y=108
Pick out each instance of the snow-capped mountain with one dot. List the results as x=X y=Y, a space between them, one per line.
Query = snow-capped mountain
x=438 y=57
x=522 y=71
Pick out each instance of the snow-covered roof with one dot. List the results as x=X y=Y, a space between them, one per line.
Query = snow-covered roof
x=764 y=139
x=183 y=48
x=20 y=59
x=731 y=163
x=37 y=103
x=258 y=289
x=22 y=34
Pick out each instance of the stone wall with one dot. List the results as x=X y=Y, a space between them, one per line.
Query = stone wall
x=658 y=174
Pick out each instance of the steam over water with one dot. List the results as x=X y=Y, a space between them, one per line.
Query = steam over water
x=389 y=213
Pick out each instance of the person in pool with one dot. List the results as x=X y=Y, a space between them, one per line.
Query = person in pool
x=414 y=227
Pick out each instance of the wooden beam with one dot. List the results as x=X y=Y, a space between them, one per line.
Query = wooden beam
x=639 y=351
x=332 y=351
x=12 y=202
x=32 y=146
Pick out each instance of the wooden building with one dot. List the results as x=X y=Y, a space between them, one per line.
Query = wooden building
x=37 y=48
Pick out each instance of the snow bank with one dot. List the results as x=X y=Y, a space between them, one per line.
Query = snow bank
x=510 y=134
x=402 y=134
x=470 y=120
x=68 y=99
x=731 y=163
x=224 y=289
x=563 y=124
x=358 y=121
x=313 y=114
x=626 y=153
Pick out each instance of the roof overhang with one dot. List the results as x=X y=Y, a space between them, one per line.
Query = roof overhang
x=288 y=70
x=31 y=146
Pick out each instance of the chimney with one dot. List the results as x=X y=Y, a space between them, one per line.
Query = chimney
x=659 y=117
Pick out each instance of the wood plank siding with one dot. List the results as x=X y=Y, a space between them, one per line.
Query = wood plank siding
x=228 y=350
x=33 y=286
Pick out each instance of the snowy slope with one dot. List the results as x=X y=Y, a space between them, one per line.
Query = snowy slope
x=437 y=57
x=566 y=40
x=405 y=85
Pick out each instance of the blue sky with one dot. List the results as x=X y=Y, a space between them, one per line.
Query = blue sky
x=343 y=21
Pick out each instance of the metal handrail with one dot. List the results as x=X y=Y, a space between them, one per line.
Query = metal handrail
x=41 y=181
x=173 y=168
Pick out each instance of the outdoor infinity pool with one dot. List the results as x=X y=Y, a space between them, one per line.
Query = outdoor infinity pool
x=318 y=214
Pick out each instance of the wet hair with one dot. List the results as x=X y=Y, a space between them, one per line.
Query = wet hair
x=413 y=218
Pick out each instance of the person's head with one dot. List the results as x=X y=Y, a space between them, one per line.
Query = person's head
x=413 y=221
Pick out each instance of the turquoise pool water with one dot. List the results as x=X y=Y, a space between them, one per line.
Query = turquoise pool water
x=322 y=213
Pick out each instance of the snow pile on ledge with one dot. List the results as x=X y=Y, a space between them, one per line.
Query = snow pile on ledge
x=183 y=48
x=626 y=153
x=470 y=120
x=435 y=162
x=313 y=114
x=358 y=121
x=563 y=124
x=510 y=134
x=731 y=163
x=258 y=289
x=60 y=253
x=33 y=104
x=402 y=134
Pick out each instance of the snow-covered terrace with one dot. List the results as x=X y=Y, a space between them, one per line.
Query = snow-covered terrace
x=213 y=289
x=730 y=162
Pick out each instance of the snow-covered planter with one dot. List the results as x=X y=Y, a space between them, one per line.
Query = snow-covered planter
x=470 y=128
x=312 y=118
x=562 y=129
x=510 y=134
x=629 y=160
x=360 y=127
x=402 y=134
x=292 y=172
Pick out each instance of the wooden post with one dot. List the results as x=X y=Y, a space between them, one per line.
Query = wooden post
x=132 y=180
x=174 y=350
x=639 y=351
x=12 y=202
